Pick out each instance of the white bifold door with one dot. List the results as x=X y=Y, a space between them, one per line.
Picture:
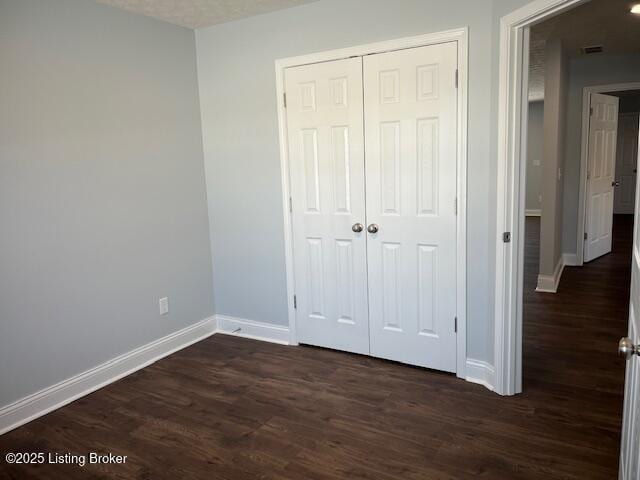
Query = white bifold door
x=603 y=133
x=372 y=153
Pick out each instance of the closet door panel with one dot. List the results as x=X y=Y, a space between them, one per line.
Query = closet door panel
x=410 y=142
x=326 y=158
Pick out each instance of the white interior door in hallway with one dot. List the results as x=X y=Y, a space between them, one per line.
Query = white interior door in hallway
x=601 y=161
x=372 y=144
x=626 y=163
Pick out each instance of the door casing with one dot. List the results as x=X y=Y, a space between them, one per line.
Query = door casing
x=460 y=36
x=510 y=185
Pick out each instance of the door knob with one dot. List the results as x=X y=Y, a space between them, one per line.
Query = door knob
x=373 y=228
x=626 y=348
x=615 y=184
x=357 y=227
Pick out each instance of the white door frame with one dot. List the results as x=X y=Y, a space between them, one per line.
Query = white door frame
x=461 y=37
x=511 y=170
x=584 y=153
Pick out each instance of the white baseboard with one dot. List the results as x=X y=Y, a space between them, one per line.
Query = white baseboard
x=570 y=259
x=252 y=329
x=53 y=397
x=533 y=212
x=480 y=372
x=549 y=283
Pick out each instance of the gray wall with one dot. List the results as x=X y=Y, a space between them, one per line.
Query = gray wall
x=240 y=132
x=587 y=71
x=102 y=193
x=534 y=155
x=556 y=84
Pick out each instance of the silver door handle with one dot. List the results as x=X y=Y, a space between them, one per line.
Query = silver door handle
x=627 y=349
x=373 y=228
x=615 y=184
x=357 y=227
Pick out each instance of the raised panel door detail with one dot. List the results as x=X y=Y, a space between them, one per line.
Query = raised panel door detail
x=427 y=139
x=610 y=151
x=339 y=92
x=427 y=298
x=390 y=161
x=345 y=285
x=311 y=168
x=390 y=86
x=427 y=82
x=308 y=96
x=599 y=151
x=391 y=287
x=340 y=160
x=316 y=277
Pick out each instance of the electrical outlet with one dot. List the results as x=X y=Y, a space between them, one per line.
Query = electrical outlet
x=163 y=303
x=536 y=163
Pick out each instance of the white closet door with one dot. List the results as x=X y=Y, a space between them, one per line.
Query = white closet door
x=326 y=155
x=410 y=133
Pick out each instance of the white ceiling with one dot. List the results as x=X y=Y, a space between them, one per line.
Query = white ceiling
x=598 y=22
x=201 y=13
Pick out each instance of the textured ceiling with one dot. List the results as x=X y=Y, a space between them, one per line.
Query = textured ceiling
x=201 y=13
x=598 y=22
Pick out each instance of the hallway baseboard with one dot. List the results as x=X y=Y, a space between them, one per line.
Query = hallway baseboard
x=570 y=259
x=480 y=372
x=549 y=283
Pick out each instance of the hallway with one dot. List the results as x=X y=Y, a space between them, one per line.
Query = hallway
x=570 y=338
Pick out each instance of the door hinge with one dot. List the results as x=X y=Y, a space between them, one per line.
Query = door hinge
x=456 y=78
x=506 y=237
x=284 y=98
x=295 y=302
x=455 y=206
x=585 y=235
x=455 y=324
x=290 y=204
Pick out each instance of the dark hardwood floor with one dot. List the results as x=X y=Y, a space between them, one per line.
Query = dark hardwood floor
x=234 y=409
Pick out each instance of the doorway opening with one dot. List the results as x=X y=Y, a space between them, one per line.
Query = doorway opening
x=568 y=143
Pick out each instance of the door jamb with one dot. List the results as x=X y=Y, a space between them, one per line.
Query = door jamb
x=510 y=183
x=461 y=37
x=584 y=153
